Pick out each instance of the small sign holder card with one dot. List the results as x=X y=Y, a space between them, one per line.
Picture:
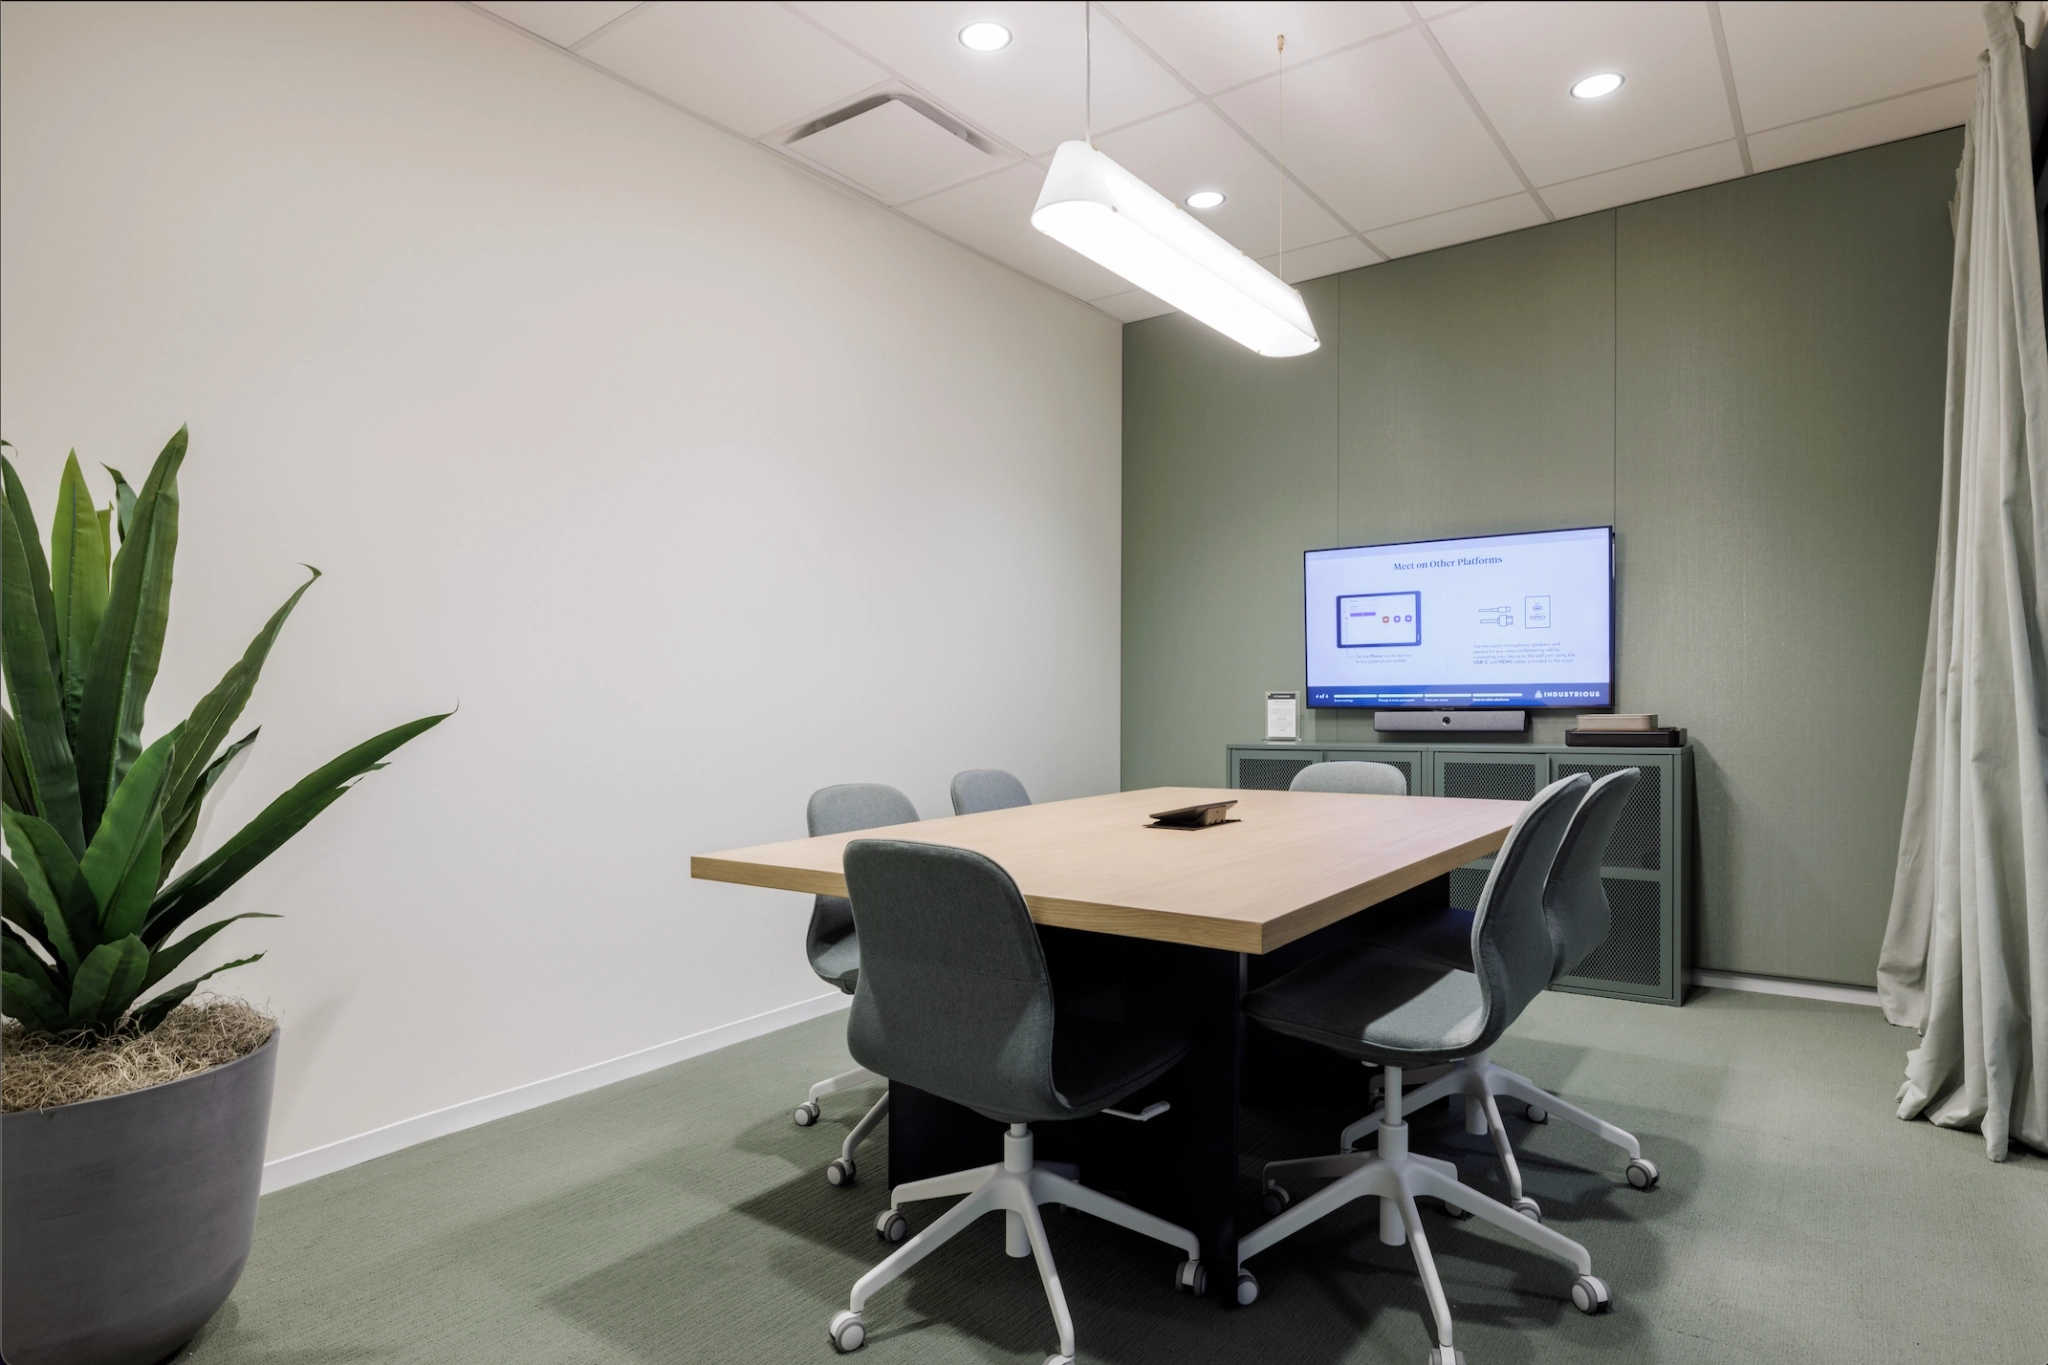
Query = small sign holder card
x=1281 y=717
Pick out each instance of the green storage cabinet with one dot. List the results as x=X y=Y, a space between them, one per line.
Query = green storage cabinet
x=1646 y=867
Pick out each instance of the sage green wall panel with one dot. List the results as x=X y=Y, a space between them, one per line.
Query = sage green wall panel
x=1476 y=394
x=1746 y=379
x=1782 y=343
x=1229 y=473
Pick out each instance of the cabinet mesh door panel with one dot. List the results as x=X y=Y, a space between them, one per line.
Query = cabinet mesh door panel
x=1638 y=839
x=1466 y=884
x=1268 y=774
x=1634 y=950
x=1490 y=781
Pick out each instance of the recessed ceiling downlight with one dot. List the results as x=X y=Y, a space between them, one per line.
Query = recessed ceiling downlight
x=985 y=37
x=1595 y=87
x=1205 y=199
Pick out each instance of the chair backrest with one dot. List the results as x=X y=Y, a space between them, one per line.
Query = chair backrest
x=954 y=995
x=1366 y=779
x=1575 y=901
x=980 y=789
x=841 y=810
x=1511 y=948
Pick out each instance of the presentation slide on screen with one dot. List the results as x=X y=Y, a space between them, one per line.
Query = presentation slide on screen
x=1514 y=621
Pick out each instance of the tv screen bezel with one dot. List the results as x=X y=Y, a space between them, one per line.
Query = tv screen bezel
x=1301 y=616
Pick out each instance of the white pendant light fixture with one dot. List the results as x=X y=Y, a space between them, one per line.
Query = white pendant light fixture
x=1101 y=210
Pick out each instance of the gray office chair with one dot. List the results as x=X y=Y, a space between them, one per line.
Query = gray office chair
x=834 y=946
x=954 y=998
x=1378 y=1003
x=1576 y=914
x=1365 y=779
x=980 y=789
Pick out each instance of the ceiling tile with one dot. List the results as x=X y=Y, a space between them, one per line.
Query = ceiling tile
x=1468 y=224
x=1649 y=180
x=1030 y=94
x=561 y=22
x=895 y=152
x=1192 y=149
x=1380 y=133
x=1217 y=45
x=993 y=215
x=1133 y=306
x=1324 y=258
x=1798 y=60
x=1430 y=9
x=750 y=66
x=1906 y=116
x=1520 y=61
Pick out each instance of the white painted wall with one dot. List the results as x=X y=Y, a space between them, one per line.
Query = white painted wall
x=697 y=483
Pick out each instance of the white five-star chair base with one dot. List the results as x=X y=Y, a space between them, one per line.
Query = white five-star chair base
x=1395 y=1176
x=1016 y=1188
x=841 y=1171
x=1481 y=1082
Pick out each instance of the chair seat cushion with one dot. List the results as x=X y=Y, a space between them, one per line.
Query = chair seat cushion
x=1376 y=1003
x=1095 y=1063
x=1442 y=936
x=838 y=962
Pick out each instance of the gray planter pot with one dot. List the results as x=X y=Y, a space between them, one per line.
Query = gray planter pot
x=124 y=1222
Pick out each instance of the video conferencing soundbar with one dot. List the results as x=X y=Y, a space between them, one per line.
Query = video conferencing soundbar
x=1450 y=720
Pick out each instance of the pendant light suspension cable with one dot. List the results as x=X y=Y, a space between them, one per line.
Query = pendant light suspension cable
x=1280 y=95
x=1088 y=72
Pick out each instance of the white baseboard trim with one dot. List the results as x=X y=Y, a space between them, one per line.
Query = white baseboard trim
x=1780 y=985
x=286 y=1171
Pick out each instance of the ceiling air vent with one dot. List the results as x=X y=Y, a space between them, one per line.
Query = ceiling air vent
x=893 y=146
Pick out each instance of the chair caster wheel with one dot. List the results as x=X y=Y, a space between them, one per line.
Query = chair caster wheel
x=891 y=1225
x=1453 y=1211
x=1445 y=1355
x=1536 y=1113
x=1275 y=1200
x=1643 y=1173
x=847 y=1332
x=840 y=1172
x=1247 y=1289
x=1589 y=1294
x=806 y=1114
x=1057 y=1359
x=1528 y=1208
x=1191 y=1277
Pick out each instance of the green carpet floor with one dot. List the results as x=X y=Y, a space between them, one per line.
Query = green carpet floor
x=682 y=1217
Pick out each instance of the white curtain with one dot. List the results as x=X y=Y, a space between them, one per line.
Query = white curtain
x=1965 y=957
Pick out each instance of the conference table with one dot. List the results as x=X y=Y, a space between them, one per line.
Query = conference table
x=1171 y=925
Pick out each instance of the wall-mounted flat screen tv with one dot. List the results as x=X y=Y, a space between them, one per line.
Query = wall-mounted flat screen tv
x=1519 y=621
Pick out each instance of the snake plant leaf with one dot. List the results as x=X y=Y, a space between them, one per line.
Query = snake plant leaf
x=28 y=656
x=131 y=639
x=277 y=822
x=218 y=710
x=169 y=958
x=17 y=956
x=78 y=583
x=19 y=788
x=124 y=499
x=176 y=841
x=123 y=912
x=39 y=1009
x=152 y=1014
x=124 y=829
x=107 y=982
x=70 y=918
x=20 y=907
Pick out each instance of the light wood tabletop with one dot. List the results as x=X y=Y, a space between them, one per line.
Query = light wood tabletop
x=1291 y=864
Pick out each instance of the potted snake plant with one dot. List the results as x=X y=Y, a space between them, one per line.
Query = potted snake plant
x=126 y=1213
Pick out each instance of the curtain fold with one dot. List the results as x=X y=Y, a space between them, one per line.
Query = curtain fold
x=1965 y=956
